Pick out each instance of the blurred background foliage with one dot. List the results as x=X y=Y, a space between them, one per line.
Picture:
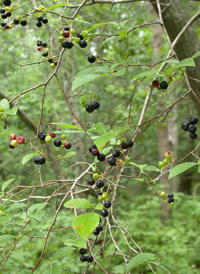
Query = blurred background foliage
x=170 y=233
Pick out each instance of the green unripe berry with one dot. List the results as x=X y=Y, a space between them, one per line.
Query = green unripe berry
x=168 y=155
x=63 y=136
x=1 y=109
x=77 y=40
x=172 y=204
x=61 y=39
x=127 y=160
x=105 y=195
x=122 y=140
x=62 y=146
x=166 y=161
x=163 y=194
x=84 y=104
x=52 y=65
x=72 y=31
x=13 y=143
x=84 y=33
x=19 y=17
x=96 y=176
x=160 y=164
x=119 y=162
x=63 y=142
x=100 y=198
x=48 y=139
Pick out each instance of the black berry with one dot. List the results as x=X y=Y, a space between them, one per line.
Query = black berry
x=163 y=85
x=2 y=11
x=89 y=258
x=91 y=148
x=39 y=43
x=38 y=24
x=83 y=44
x=16 y=21
x=104 y=213
x=8 y=14
x=193 y=120
x=91 y=58
x=89 y=108
x=40 y=18
x=170 y=200
x=83 y=258
x=82 y=251
x=42 y=135
x=170 y=195
x=57 y=143
x=193 y=135
x=3 y=24
x=44 y=44
x=95 y=232
x=98 y=194
x=99 y=228
x=101 y=157
x=95 y=104
x=40 y=160
x=99 y=183
x=129 y=143
x=23 y=23
x=107 y=204
x=112 y=161
x=79 y=36
x=116 y=153
x=67 y=44
x=7 y=2
x=4 y=16
x=185 y=126
x=124 y=145
x=45 y=53
x=44 y=20
x=66 y=28
x=192 y=128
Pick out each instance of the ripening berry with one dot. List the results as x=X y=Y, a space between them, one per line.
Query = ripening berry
x=155 y=84
x=168 y=155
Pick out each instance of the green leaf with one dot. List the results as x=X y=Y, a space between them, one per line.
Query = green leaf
x=82 y=80
x=98 y=127
x=78 y=203
x=197 y=54
x=119 y=269
x=47 y=270
x=109 y=39
x=57 y=6
x=68 y=126
x=119 y=71
x=84 y=224
x=188 y=62
x=77 y=243
x=37 y=216
x=172 y=61
x=11 y=112
x=102 y=24
x=16 y=206
x=180 y=169
x=99 y=207
x=37 y=207
x=103 y=139
x=106 y=150
x=5 y=238
x=151 y=168
x=122 y=33
x=199 y=169
x=139 y=259
x=5 y=104
x=146 y=73
x=28 y=157
x=141 y=167
x=92 y=70
x=62 y=252
x=6 y=184
x=56 y=270
x=69 y=154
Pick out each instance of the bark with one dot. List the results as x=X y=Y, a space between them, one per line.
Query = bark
x=175 y=18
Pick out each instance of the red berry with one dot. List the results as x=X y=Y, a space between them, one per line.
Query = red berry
x=12 y=137
x=20 y=140
x=95 y=152
x=53 y=135
x=39 y=48
x=155 y=84
x=10 y=146
x=66 y=33
x=67 y=145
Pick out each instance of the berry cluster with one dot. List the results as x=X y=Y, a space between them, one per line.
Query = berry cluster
x=40 y=160
x=191 y=126
x=97 y=230
x=63 y=143
x=16 y=141
x=91 y=107
x=169 y=198
x=41 y=20
x=85 y=258
x=159 y=85
x=167 y=160
x=117 y=153
x=103 y=197
x=95 y=152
